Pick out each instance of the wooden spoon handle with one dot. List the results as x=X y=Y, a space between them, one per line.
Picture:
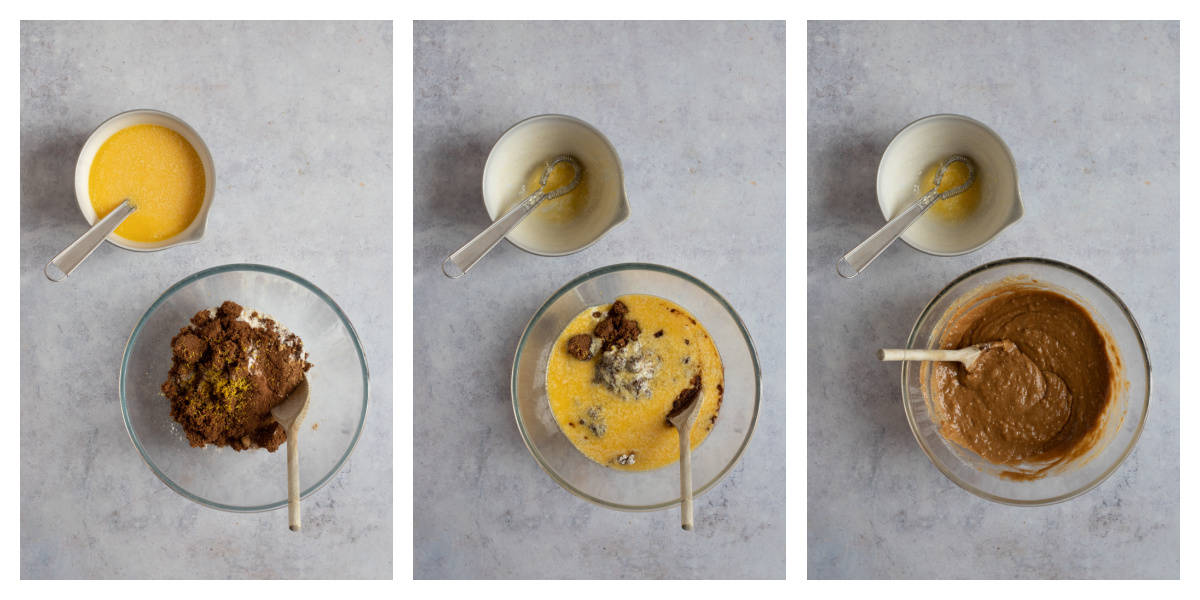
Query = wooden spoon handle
x=293 y=466
x=890 y=354
x=685 y=479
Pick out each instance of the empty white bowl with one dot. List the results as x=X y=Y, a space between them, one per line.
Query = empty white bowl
x=531 y=143
x=83 y=168
x=931 y=140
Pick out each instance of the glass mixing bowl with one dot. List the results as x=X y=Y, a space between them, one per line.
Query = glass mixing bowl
x=253 y=480
x=1125 y=418
x=636 y=490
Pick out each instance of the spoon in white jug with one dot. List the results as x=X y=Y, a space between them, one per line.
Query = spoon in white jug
x=861 y=256
x=61 y=265
x=457 y=264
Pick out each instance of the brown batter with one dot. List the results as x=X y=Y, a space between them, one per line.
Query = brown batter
x=229 y=369
x=1039 y=397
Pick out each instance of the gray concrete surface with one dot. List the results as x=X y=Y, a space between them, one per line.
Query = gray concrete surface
x=696 y=112
x=298 y=117
x=1091 y=112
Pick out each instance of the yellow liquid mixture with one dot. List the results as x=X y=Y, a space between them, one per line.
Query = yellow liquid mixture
x=623 y=429
x=565 y=207
x=955 y=208
x=159 y=171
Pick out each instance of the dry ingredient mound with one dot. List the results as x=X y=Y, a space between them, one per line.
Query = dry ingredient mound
x=227 y=372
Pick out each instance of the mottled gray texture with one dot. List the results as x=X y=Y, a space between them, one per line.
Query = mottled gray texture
x=1091 y=112
x=696 y=111
x=298 y=117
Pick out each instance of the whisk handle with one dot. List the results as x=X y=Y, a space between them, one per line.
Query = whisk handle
x=62 y=264
x=857 y=259
x=457 y=264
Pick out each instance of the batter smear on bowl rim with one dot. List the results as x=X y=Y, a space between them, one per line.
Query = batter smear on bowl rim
x=617 y=371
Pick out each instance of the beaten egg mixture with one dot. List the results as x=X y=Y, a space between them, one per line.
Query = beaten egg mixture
x=616 y=371
x=158 y=171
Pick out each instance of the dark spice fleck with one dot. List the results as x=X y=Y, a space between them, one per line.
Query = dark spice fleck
x=658 y=333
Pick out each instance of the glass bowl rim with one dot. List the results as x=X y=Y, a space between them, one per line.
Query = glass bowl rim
x=588 y=276
x=229 y=268
x=1137 y=330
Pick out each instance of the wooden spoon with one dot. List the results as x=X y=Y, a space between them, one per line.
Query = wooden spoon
x=290 y=414
x=683 y=417
x=967 y=356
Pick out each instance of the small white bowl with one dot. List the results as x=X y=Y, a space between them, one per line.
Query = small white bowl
x=83 y=168
x=534 y=141
x=930 y=140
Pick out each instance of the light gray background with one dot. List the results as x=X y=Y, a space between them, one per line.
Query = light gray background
x=298 y=117
x=1091 y=112
x=696 y=112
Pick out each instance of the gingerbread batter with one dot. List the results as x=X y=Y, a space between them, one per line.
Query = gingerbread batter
x=1040 y=396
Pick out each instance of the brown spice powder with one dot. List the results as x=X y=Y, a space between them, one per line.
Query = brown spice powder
x=226 y=375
